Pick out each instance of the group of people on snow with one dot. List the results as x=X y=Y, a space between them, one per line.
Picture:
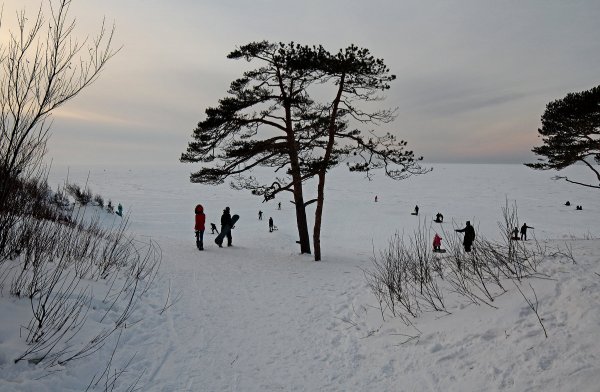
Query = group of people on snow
x=577 y=207
x=226 y=226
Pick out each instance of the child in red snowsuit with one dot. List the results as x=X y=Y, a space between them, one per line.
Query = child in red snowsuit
x=437 y=242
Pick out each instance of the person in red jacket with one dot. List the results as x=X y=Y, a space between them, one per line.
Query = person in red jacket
x=437 y=243
x=199 y=227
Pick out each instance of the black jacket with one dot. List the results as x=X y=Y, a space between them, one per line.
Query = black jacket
x=469 y=234
x=226 y=219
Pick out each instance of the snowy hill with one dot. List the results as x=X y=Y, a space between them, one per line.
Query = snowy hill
x=260 y=317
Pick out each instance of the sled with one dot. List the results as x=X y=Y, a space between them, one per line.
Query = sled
x=226 y=230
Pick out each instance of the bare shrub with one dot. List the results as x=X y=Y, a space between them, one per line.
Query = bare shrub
x=51 y=272
x=81 y=196
x=408 y=278
x=99 y=201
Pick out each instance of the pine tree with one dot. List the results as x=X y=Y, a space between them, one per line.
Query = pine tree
x=270 y=119
x=571 y=134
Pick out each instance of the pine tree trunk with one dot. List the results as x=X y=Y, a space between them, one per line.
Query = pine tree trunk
x=301 y=221
x=319 y=216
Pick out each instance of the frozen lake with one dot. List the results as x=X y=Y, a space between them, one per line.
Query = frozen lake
x=161 y=201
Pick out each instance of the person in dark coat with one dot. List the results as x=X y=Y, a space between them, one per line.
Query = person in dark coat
x=524 y=231
x=416 y=210
x=568 y=203
x=270 y=224
x=226 y=224
x=213 y=229
x=439 y=218
x=469 y=236
x=259 y=215
x=199 y=227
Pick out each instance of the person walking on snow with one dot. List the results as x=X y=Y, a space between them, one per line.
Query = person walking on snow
x=469 y=236
x=259 y=215
x=226 y=225
x=524 y=231
x=199 y=227
x=270 y=224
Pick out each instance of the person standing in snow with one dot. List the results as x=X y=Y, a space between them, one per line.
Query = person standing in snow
x=259 y=215
x=469 y=236
x=270 y=224
x=524 y=231
x=226 y=224
x=199 y=227
x=416 y=210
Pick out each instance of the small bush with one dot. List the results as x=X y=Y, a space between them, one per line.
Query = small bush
x=99 y=201
x=82 y=197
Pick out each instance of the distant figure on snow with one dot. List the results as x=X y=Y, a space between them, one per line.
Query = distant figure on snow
x=515 y=234
x=199 y=227
x=579 y=208
x=279 y=206
x=119 y=210
x=439 y=218
x=469 y=236
x=524 y=231
x=437 y=243
x=568 y=203
x=375 y=198
x=259 y=215
x=271 y=225
x=416 y=211
x=213 y=229
x=109 y=207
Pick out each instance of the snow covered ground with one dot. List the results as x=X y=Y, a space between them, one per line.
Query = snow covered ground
x=260 y=317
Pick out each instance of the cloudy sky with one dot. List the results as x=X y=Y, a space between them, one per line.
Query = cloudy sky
x=474 y=76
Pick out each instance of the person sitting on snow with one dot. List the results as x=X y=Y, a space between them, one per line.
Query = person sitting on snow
x=437 y=243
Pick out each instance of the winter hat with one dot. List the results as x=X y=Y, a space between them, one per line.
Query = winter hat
x=226 y=209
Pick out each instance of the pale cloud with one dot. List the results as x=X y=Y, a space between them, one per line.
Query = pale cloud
x=96 y=118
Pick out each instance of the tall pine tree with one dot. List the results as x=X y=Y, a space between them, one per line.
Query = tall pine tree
x=270 y=119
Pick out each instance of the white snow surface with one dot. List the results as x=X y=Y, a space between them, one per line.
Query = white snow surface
x=259 y=316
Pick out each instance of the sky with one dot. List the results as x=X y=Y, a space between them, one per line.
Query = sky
x=473 y=76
